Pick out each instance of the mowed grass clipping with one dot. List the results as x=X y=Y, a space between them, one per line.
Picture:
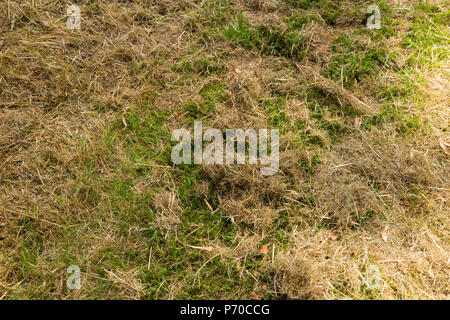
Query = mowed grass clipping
x=85 y=143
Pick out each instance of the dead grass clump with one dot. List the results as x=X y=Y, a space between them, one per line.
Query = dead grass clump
x=245 y=195
x=242 y=178
x=381 y=157
x=344 y=200
x=320 y=39
x=249 y=211
x=128 y=284
x=296 y=110
x=317 y=265
x=369 y=176
x=169 y=210
x=345 y=97
x=291 y=277
x=247 y=244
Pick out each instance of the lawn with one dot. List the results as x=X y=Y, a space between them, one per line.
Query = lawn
x=357 y=210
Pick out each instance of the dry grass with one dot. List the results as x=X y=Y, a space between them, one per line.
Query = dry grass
x=85 y=122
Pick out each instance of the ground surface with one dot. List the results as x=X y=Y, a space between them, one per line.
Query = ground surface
x=86 y=176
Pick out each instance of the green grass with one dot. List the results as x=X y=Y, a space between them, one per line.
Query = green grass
x=428 y=36
x=276 y=116
x=264 y=39
x=351 y=61
x=204 y=108
x=329 y=11
x=297 y=21
x=146 y=135
x=405 y=124
x=310 y=166
x=131 y=213
x=199 y=64
x=145 y=142
x=214 y=14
